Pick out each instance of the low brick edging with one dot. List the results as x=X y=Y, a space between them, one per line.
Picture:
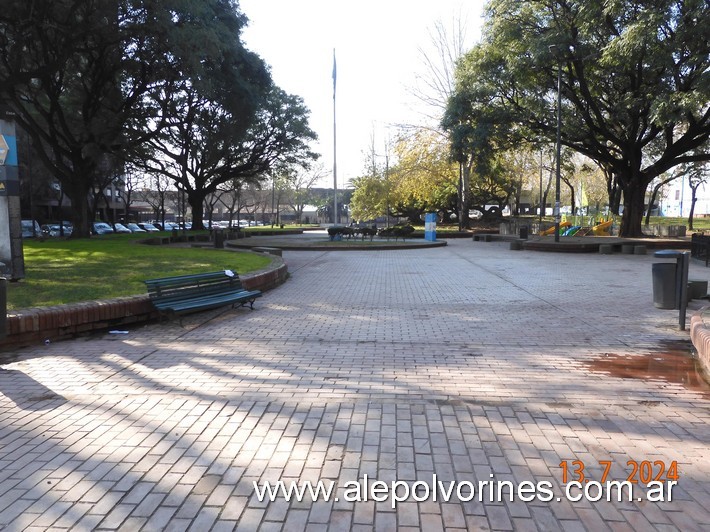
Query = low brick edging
x=700 y=336
x=35 y=325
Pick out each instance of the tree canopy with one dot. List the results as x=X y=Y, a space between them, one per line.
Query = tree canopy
x=101 y=83
x=635 y=86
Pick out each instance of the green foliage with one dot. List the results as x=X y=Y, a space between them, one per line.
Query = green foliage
x=397 y=231
x=202 y=145
x=424 y=178
x=635 y=86
x=369 y=199
x=491 y=189
x=93 y=82
x=67 y=271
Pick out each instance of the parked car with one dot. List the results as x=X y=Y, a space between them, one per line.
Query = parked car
x=148 y=227
x=135 y=228
x=120 y=228
x=27 y=229
x=55 y=229
x=101 y=228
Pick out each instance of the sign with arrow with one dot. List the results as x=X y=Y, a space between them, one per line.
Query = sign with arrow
x=4 y=149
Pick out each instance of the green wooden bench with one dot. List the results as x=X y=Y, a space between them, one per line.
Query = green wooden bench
x=200 y=291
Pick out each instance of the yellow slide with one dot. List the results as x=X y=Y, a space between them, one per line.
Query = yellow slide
x=551 y=230
x=602 y=229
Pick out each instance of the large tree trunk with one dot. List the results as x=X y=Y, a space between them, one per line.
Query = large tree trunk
x=634 y=196
x=572 y=196
x=465 y=184
x=78 y=193
x=694 y=191
x=613 y=189
x=654 y=195
x=196 y=201
x=545 y=194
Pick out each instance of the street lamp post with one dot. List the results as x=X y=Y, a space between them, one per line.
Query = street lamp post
x=558 y=146
x=540 y=199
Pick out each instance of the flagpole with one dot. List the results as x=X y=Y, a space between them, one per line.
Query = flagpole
x=335 y=164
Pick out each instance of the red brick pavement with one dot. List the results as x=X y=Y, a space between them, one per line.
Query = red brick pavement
x=472 y=362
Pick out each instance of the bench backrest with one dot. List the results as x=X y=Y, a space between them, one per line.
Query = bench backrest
x=195 y=285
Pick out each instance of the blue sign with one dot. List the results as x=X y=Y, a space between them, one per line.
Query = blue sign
x=430 y=226
x=8 y=150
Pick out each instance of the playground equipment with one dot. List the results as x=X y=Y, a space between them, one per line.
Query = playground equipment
x=602 y=228
x=551 y=230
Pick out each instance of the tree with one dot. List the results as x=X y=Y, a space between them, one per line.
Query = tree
x=369 y=200
x=633 y=74
x=424 y=178
x=155 y=193
x=492 y=185
x=206 y=145
x=435 y=85
x=233 y=198
x=85 y=77
x=698 y=173
x=593 y=185
x=301 y=184
x=130 y=181
x=658 y=184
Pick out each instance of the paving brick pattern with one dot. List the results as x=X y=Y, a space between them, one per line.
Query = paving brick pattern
x=467 y=362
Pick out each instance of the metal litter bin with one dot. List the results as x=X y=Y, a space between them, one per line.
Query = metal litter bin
x=664 y=285
x=524 y=232
x=219 y=238
x=678 y=271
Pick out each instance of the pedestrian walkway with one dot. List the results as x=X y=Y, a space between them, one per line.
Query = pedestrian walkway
x=457 y=371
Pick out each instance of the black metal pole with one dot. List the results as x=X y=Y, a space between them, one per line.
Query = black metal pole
x=540 y=200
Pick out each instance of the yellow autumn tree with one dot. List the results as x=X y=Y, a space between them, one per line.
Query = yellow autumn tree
x=424 y=179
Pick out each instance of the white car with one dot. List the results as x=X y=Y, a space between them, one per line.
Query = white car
x=135 y=228
x=120 y=228
x=149 y=227
x=101 y=228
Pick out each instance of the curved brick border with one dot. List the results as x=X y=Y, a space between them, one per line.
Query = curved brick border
x=700 y=336
x=34 y=325
x=295 y=247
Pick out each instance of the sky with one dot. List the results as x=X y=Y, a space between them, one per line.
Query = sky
x=378 y=52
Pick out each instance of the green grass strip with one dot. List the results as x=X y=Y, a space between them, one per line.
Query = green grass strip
x=61 y=271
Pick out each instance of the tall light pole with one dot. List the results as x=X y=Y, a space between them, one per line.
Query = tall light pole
x=335 y=150
x=540 y=201
x=558 y=147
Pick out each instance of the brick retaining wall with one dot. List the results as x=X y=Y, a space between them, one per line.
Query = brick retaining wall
x=700 y=336
x=35 y=325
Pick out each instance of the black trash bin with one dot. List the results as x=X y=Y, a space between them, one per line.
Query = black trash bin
x=524 y=232
x=219 y=239
x=664 y=285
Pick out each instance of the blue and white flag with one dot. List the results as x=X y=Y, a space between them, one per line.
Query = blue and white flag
x=334 y=72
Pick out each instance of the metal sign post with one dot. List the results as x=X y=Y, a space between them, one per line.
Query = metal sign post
x=10 y=228
x=682 y=294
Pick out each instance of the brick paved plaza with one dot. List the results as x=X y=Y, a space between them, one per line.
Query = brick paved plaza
x=471 y=362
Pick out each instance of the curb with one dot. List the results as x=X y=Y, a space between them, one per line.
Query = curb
x=36 y=325
x=700 y=336
x=296 y=247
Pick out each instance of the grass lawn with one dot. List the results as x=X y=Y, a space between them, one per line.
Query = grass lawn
x=67 y=271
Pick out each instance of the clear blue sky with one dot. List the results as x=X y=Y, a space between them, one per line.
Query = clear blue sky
x=377 y=47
